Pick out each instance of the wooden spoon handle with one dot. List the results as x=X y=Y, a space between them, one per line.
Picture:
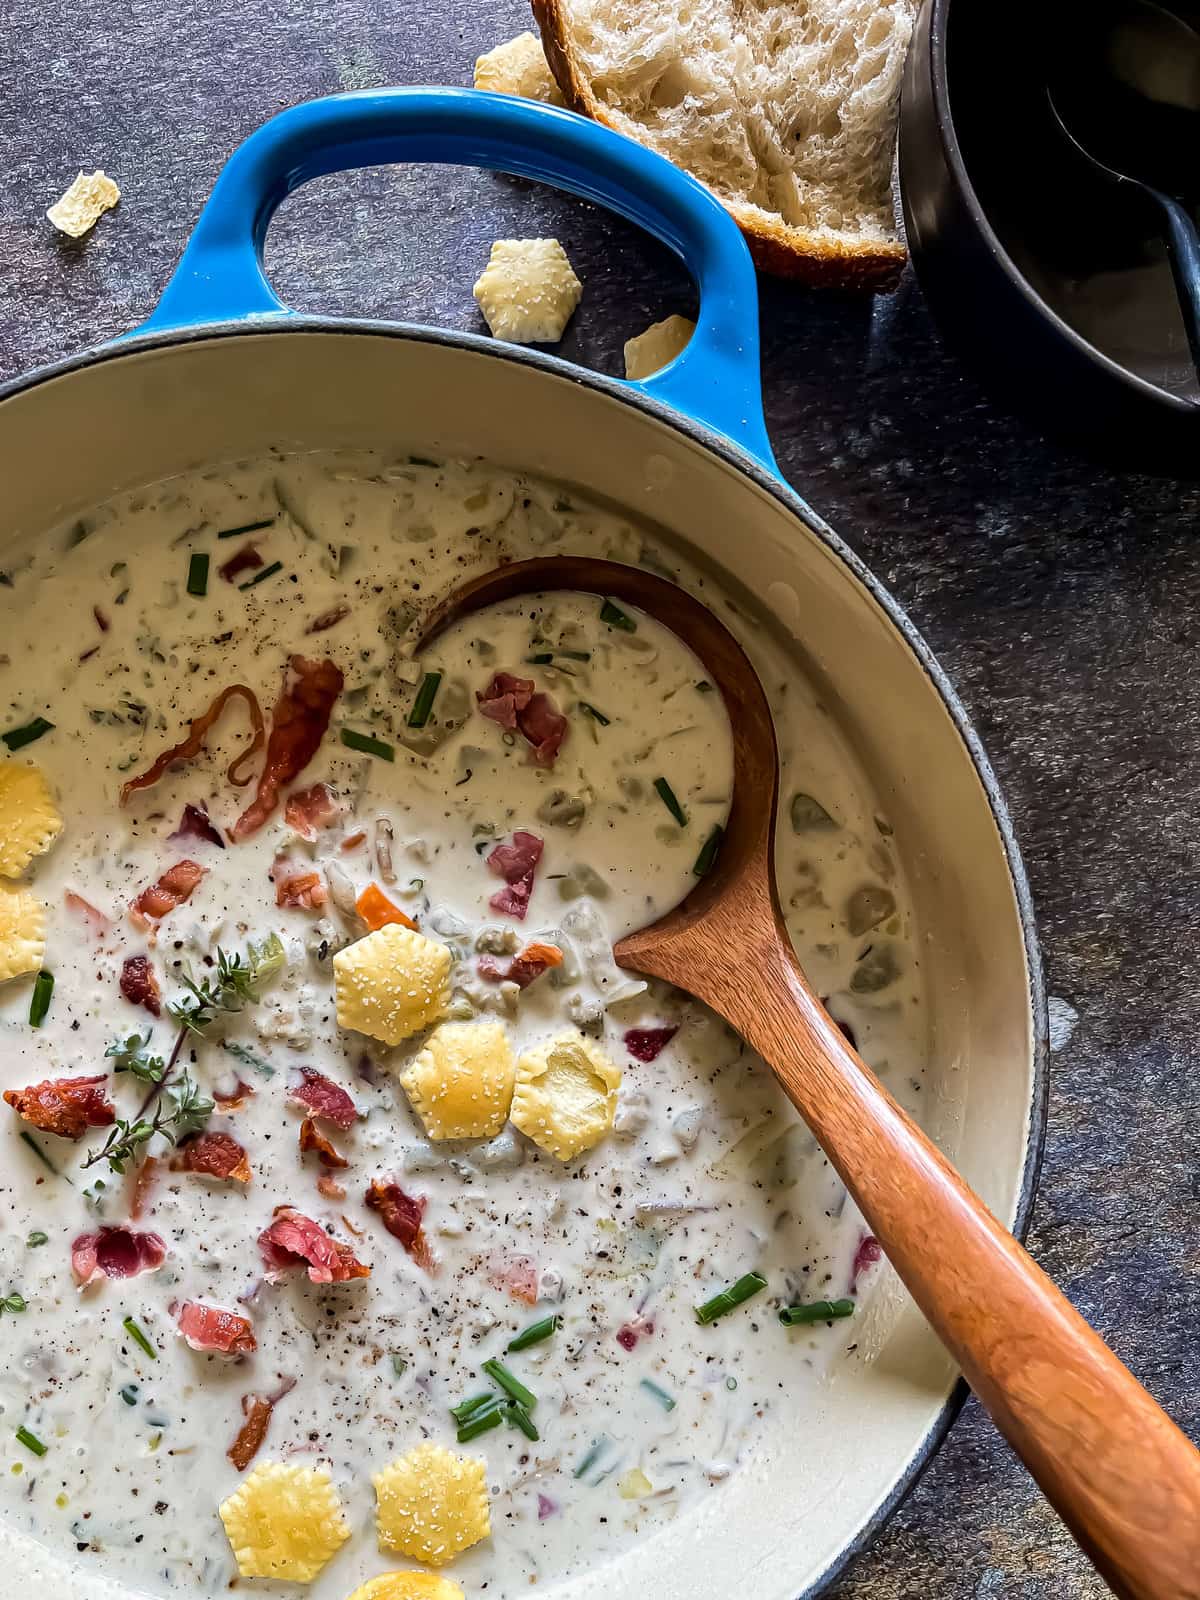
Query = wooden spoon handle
x=1123 y=1477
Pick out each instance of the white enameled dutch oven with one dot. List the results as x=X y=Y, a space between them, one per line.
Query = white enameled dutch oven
x=222 y=370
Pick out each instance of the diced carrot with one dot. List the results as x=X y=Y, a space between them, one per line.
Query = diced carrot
x=376 y=910
x=548 y=954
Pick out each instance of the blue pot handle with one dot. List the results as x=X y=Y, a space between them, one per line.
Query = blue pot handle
x=220 y=278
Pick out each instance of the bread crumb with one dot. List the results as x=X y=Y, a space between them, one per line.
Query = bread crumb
x=84 y=203
x=518 y=67
x=528 y=291
x=657 y=347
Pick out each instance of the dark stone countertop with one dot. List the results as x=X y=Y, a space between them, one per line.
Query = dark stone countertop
x=1062 y=600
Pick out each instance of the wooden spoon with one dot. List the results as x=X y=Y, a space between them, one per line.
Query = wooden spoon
x=1123 y=1477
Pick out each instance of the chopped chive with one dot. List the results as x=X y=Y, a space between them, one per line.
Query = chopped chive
x=667 y=795
x=261 y=577
x=574 y=655
x=736 y=1295
x=129 y=1394
x=138 y=1337
x=242 y=1052
x=535 y=1333
x=28 y=1138
x=594 y=713
x=666 y=1401
x=31 y=1441
x=399 y=1366
x=703 y=686
x=246 y=527
x=368 y=746
x=36 y=1238
x=516 y=1413
x=483 y=1419
x=708 y=851
x=616 y=618
x=18 y=738
x=39 y=1004
x=423 y=704
x=499 y=1373
x=816 y=1311
x=542 y=660
x=467 y=1408
x=599 y=1446
x=197 y=583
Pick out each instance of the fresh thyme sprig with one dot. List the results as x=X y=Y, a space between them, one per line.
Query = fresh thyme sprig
x=238 y=982
x=179 y=1108
x=132 y=1055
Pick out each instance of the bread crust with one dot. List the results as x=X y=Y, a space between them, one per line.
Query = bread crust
x=775 y=246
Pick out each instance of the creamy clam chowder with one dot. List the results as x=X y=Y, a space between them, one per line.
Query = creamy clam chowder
x=234 y=1237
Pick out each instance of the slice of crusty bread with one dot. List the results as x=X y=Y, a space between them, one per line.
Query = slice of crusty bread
x=786 y=109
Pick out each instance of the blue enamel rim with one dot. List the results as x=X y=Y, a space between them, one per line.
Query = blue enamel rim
x=710 y=393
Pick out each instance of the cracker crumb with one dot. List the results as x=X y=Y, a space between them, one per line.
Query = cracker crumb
x=85 y=202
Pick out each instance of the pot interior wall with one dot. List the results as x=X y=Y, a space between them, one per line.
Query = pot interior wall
x=144 y=413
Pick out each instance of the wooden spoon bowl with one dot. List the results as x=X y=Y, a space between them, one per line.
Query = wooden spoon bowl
x=1123 y=1477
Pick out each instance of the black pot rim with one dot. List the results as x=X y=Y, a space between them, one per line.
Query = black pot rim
x=1141 y=388
x=734 y=456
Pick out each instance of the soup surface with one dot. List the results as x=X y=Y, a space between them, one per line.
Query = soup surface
x=602 y=781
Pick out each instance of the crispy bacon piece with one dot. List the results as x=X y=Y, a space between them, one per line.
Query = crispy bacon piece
x=309 y=810
x=293 y=1240
x=311 y=1138
x=512 y=702
x=139 y=984
x=192 y=745
x=143 y=1181
x=214 y=1155
x=98 y=923
x=171 y=890
x=302 y=891
x=377 y=911
x=523 y=968
x=330 y=1187
x=231 y=1099
x=243 y=560
x=214 y=1331
x=544 y=725
x=515 y=862
x=67 y=1107
x=505 y=698
x=298 y=725
x=257 y=1409
x=516 y=1275
x=197 y=824
x=401 y=1216
x=645 y=1044
x=323 y=1098
x=115 y=1253
x=328 y=619
x=867 y=1254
